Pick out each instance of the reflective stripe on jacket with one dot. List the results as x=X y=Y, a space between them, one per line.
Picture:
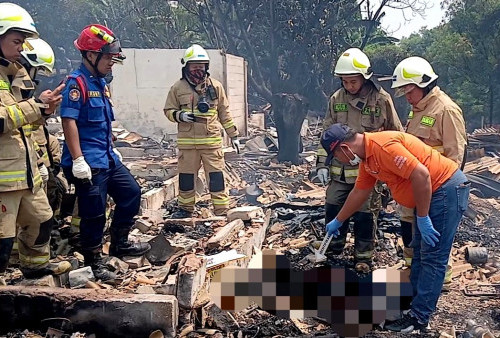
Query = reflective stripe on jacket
x=206 y=132
x=18 y=169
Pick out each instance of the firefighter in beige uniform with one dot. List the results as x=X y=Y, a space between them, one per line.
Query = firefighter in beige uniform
x=38 y=58
x=22 y=201
x=199 y=105
x=363 y=106
x=435 y=119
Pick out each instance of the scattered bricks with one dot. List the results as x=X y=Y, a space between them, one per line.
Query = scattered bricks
x=153 y=199
x=44 y=281
x=79 y=277
x=99 y=312
x=225 y=234
x=171 y=188
x=135 y=262
x=168 y=288
x=190 y=279
x=117 y=264
x=145 y=289
x=245 y=213
x=161 y=250
x=143 y=225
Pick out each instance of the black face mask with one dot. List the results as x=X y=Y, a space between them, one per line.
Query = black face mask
x=108 y=77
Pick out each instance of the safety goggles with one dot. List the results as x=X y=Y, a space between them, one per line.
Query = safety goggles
x=402 y=91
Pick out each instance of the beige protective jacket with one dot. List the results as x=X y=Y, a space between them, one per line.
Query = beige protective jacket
x=439 y=122
x=373 y=112
x=18 y=169
x=206 y=132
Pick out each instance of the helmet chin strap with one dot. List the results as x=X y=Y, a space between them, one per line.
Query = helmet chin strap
x=94 y=65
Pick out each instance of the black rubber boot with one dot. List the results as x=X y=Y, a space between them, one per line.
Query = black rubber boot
x=364 y=240
x=94 y=259
x=121 y=246
x=5 y=250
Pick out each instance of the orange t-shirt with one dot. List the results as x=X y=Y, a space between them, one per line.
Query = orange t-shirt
x=391 y=157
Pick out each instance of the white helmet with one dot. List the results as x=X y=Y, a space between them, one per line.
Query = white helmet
x=16 y=18
x=195 y=53
x=39 y=54
x=352 y=62
x=413 y=70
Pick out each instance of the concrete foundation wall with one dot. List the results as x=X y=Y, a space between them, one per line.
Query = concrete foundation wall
x=141 y=85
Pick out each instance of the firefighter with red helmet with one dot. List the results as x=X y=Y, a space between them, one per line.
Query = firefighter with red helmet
x=89 y=160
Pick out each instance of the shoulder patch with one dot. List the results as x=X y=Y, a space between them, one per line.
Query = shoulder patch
x=427 y=121
x=340 y=107
x=74 y=94
x=94 y=93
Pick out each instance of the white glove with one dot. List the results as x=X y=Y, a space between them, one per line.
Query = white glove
x=323 y=175
x=186 y=117
x=81 y=169
x=118 y=154
x=236 y=144
x=44 y=172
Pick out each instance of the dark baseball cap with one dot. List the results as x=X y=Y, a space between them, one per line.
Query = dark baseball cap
x=332 y=137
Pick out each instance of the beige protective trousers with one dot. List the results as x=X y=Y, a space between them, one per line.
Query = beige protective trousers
x=189 y=164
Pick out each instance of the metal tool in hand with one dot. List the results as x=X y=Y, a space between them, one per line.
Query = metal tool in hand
x=320 y=253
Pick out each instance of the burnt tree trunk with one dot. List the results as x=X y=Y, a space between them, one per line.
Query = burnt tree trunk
x=289 y=112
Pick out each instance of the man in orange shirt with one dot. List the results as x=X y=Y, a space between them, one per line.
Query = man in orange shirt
x=418 y=177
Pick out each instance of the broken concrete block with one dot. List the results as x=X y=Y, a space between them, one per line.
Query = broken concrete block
x=212 y=316
x=135 y=262
x=143 y=225
x=153 y=199
x=118 y=265
x=160 y=273
x=245 y=213
x=161 y=250
x=44 y=281
x=79 y=277
x=154 y=216
x=96 y=312
x=168 y=288
x=183 y=242
x=190 y=279
x=129 y=152
x=145 y=289
x=62 y=279
x=225 y=234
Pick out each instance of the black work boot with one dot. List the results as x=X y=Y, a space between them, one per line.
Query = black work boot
x=121 y=246
x=181 y=213
x=6 y=245
x=94 y=259
x=5 y=250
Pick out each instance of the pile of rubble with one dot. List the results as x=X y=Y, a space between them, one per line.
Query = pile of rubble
x=275 y=206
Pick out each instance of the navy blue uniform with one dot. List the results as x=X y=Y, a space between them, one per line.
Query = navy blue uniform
x=86 y=100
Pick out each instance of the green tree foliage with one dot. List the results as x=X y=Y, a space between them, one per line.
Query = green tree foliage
x=464 y=52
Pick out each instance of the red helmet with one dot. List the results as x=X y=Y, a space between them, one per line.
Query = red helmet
x=97 y=38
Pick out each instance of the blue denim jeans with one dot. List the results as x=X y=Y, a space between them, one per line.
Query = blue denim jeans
x=116 y=182
x=428 y=268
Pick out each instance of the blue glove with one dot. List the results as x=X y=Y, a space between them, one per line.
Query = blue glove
x=333 y=227
x=429 y=234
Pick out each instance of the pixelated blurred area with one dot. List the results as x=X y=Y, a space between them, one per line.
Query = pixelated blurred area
x=352 y=304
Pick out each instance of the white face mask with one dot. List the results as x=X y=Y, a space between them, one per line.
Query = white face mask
x=355 y=161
